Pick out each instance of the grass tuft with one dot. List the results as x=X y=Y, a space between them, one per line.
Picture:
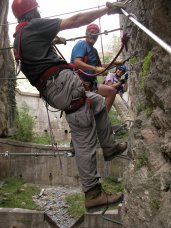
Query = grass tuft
x=15 y=194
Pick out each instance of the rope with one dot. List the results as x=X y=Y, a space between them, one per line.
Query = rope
x=109 y=219
x=101 y=42
x=54 y=144
x=125 y=39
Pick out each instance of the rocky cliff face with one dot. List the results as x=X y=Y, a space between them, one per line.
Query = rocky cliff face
x=7 y=87
x=147 y=179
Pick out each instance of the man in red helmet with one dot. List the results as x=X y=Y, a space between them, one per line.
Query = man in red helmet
x=85 y=56
x=62 y=89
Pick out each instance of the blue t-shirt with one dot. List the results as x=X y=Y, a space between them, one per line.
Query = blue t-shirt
x=85 y=51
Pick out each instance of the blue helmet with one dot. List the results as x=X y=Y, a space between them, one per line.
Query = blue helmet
x=122 y=67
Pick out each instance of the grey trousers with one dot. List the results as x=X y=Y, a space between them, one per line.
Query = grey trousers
x=86 y=123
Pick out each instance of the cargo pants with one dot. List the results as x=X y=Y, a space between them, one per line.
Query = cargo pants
x=86 y=124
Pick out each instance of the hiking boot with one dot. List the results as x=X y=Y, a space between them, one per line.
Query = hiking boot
x=118 y=148
x=96 y=197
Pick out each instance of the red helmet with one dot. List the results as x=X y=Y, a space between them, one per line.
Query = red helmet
x=93 y=26
x=20 y=7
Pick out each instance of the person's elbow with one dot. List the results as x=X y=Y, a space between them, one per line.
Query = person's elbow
x=77 y=62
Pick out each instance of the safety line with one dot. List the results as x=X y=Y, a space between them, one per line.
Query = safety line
x=103 y=215
x=62 y=14
x=163 y=44
x=6 y=154
x=78 y=37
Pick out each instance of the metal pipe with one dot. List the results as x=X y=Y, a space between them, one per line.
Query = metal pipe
x=5 y=154
x=163 y=44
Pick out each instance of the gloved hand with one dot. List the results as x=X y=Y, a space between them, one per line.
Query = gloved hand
x=124 y=78
x=99 y=69
x=59 y=40
x=115 y=7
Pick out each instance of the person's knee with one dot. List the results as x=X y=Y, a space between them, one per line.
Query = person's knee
x=111 y=92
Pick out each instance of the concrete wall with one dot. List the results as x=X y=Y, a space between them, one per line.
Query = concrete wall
x=24 y=218
x=37 y=164
x=38 y=111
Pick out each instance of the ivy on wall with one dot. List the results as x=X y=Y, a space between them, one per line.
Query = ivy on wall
x=145 y=68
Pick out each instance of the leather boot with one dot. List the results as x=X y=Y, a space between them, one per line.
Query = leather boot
x=118 y=148
x=97 y=197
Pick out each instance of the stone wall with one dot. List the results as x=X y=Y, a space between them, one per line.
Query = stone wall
x=38 y=164
x=147 y=180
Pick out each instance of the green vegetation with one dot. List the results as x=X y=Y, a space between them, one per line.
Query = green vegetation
x=41 y=139
x=148 y=111
x=145 y=68
x=112 y=184
x=76 y=201
x=142 y=160
x=133 y=60
x=76 y=205
x=11 y=88
x=155 y=204
x=15 y=194
x=113 y=116
x=24 y=129
x=24 y=124
x=100 y=79
x=115 y=120
x=122 y=134
x=151 y=173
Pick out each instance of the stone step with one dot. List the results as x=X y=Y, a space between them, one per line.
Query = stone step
x=110 y=219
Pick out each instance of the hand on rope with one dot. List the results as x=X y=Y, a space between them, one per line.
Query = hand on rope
x=115 y=7
x=59 y=40
x=99 y=69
